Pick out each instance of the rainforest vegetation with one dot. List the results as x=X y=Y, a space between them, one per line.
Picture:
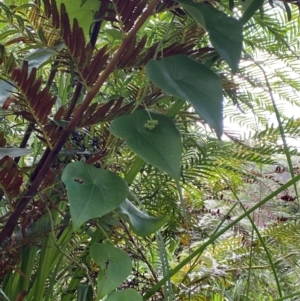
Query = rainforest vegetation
x=149 y=150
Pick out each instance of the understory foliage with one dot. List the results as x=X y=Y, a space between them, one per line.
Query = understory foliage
x=120 y=177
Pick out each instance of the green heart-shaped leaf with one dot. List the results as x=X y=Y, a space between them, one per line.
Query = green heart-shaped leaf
x=92 y=192
x=126 y=295
x=115 y=267
x=225 y=33
x=141 y=223
x=250 y=8
x=113 y=34
x=160 y=146
x=84 y=292
x=192 y=81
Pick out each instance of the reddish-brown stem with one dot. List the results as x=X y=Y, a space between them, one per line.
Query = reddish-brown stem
x=21 y=295
x=13 y=219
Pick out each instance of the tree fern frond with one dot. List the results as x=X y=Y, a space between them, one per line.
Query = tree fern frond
x=127 y=13
x=39 y=101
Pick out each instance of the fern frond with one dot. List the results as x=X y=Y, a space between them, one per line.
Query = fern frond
x=40 y=101
x=127 y=12
x=87 y=65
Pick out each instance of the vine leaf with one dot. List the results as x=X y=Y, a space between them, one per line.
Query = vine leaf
x=39 y=56
x=251 y=8
x=115 y=267
x=141 y=223
x=126 y=295
x=160 y=146
x=92 y=192
x=192 y=81
x=113 y=34
x=84 y=292
x=225 y=33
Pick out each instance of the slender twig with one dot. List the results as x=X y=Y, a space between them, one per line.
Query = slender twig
x=281 y=130
x=139 y=250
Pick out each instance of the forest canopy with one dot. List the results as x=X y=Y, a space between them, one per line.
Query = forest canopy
x=148 y=150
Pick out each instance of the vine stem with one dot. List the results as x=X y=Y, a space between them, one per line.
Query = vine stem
x=280 y=126
x=13 y=219
x=139 y=250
